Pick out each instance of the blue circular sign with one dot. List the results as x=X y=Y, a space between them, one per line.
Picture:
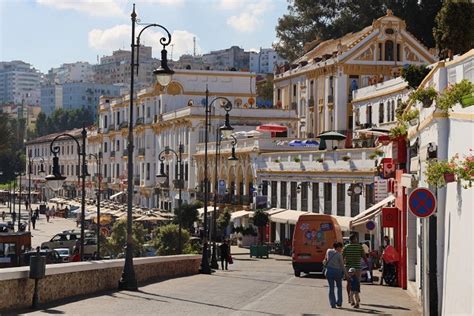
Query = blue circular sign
x=422 y=202
x=370 y=225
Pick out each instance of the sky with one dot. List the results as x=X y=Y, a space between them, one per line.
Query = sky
x=48 y=33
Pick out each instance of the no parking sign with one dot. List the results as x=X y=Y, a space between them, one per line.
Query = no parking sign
x=422 y=202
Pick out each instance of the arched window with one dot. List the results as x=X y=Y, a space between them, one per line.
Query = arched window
x=393 y=110
x=388 y=50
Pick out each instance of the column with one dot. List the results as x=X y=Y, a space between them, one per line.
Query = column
x=347 y=200
x=310 y=196
x=334 y=198
x=279 y=194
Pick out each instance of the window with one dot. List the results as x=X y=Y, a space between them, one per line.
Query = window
x=341 y=198
x=278 y=94
x=294 y=90
x=148 y=171
x=105 y=121
x=392 y=111
x=105 y=147
x=148 y=112
x=369 y=195
x=273 y=200
x=389 y=51
x=381 y=113
x=327 y=198
x=380 y=51
x=293 y=196
x=369 y=115
x=398 y=52
x=355 y=203
x=315 y=197
x=283 y=194
x=117 y=147
x=304 y=196
x=265 y=188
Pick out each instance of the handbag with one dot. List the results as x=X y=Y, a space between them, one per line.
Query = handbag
x=325 y=263
x=229 y=259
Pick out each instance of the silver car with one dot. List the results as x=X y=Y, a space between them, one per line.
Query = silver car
x=64 y=253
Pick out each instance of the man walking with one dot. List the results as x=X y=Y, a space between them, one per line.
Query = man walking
x=353 y=253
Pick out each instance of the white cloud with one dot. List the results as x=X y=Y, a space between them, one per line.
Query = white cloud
x=251 y=15
x=100 y=8
x=117 y=37
x=164 y=2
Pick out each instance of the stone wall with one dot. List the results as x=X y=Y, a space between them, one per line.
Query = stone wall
x=80 y=278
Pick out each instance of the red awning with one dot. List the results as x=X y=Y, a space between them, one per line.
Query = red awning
x=272 y=128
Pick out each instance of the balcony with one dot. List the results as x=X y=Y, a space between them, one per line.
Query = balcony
x=136 y=180
x=330 y=99
x=112 y=154
x=124 y=124
x=141 y=151
x=125 y=153
x=139 y=121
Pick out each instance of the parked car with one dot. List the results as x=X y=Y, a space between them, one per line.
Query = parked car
x=4 y=228
x=62 y=240
x=64 y=253
x=52 y=256
x=90 y=247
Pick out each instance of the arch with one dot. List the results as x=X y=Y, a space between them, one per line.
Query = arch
x=389 y=49
x=174 y=88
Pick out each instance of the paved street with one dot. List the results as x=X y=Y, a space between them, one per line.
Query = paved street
x=44 y=230
x=250 y=287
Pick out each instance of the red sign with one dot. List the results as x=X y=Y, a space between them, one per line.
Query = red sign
x=422 y=202
x=370 y=225
x=389 y=217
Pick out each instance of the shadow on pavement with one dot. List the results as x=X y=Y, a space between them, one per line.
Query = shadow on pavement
x=267 y=281
x=362 y=310
x=387 y=306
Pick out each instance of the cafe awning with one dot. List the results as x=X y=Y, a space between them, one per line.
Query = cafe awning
x=344 y=222
x=286 y=217
x=272 y=128
x=239 y=214
x=210 y=208
x=116 y=195
x=371 y=212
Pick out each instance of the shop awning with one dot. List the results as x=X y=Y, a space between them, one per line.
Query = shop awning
x=272 y=128
x=288 y=216
x=344 y=222
x=210 y=209
x=239 y=214
x=275 y=210
x=116 y=195
x=371 y=212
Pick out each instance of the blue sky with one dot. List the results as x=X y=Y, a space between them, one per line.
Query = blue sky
x=47 y=33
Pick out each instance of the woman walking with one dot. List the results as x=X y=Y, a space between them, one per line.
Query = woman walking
x=335 y=270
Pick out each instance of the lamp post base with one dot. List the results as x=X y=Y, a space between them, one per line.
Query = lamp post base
x=205 y=268
x=128 y=284
x=214 y=263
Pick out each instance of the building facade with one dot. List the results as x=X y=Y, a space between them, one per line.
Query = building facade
x=228 y=59
x=264 y=61
x=319 y=84
x=19 y=83
x=71 y=72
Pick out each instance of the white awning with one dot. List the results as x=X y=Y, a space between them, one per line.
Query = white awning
x=239 y=214
x=371 y=212
x=287 y=216
x=344 y=222
x=210 y=209
x=116 y=195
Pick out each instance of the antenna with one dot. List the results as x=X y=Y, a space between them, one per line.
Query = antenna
x=194 y=46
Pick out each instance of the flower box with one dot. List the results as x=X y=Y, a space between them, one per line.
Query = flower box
x=449 y=177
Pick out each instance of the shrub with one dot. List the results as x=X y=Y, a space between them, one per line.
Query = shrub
x=414 y=75
x=454 y=94
x=426 y=96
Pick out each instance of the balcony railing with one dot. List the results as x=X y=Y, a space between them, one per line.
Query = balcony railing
x=330 y=99
x=136 y=180
x=112 y=154
x=140 y=121
x=141 y=151
x=125 y=153
x=124 y=124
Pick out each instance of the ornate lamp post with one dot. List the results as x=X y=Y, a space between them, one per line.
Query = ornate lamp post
x=56 y=179
x=226 y=130
x=30 y=172
x=233 y=161
x=179 y=181
x=163 y=75
x=98 y=159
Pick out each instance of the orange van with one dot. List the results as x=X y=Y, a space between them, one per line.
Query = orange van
x=313 y=235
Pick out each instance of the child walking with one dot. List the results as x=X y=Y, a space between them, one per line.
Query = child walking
x=355 y=288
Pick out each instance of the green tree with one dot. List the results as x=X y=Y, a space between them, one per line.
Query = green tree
x=454 y=28
x=223 y=220
x=188 y=215
x=117 y=241
x=260 y=219
x=310 y=22
x=61 y=120
x=265 y=90
x=166 y=240
x=414 y=74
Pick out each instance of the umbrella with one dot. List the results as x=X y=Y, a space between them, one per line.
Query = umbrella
x=329 y=136
x=296 y=143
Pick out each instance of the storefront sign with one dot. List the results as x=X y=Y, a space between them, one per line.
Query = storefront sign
x=380 y=189
x=389 y=217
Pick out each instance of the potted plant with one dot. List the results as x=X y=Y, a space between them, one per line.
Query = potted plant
x=400 y=130
x=296 y=159
x=320 y=160
x=277 y=160
x=346 y=158
x=411 y=116
x=455 y=94
x=439 y=173
x=425 y=96
x=373 y=156
x=465 y=170
x=378 y=152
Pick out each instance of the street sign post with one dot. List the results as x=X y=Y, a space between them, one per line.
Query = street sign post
x=422 y=202
x=370 y=225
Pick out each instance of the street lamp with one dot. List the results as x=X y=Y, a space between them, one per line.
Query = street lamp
x=98 y=159
x=30 y=171
x=56 y=179
x=163 y=75
x=226 y=129
x=19 y=201
x=179 y=181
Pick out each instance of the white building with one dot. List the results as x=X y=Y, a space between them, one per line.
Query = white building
x=19 y=83
x=264 y=61
x=319 y=84
x=71 y=72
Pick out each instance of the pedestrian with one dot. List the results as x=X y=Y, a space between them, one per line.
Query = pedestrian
x=53 y=211
x=225 y=253
x=389 y=257
x=3 y=216
x=353 y=253
x=354 y=282
x=14 y=217
x=335 y=270
x=37 y=212
x=47 y=214
x=75 y=256
x=33 y=221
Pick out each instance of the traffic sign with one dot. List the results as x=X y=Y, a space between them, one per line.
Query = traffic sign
x=370 y=225
x=422 y=202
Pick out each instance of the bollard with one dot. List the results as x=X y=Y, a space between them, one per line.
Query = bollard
x=37 y=272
